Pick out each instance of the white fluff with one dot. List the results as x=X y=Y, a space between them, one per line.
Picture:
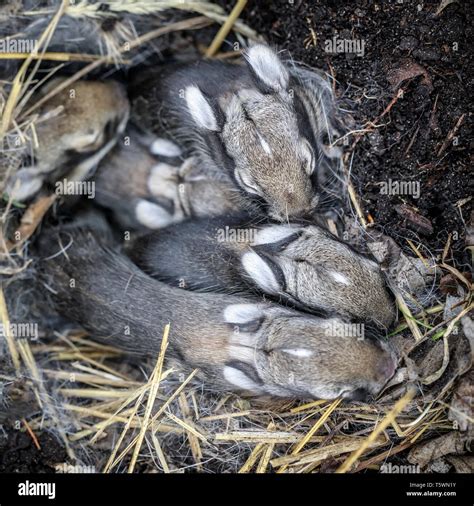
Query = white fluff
x=340 y=278
x=298 y=352
x=266 y=147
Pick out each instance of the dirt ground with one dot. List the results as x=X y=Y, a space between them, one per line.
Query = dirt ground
x=426 y=55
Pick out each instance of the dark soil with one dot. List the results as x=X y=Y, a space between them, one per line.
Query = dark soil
x=18 y=453
x=426 y=55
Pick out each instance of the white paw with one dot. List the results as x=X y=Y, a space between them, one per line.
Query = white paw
x=163 y=181
x=152 y=215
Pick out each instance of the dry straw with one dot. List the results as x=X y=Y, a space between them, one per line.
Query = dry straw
x=91 y=398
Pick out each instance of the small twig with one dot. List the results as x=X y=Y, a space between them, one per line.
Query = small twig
x=187 y=24
x=312 y=431
x=154 y=385
x=31 y=433
x=389 y=418
x=55 y=56
x=226 y=28
x=7 y=332
x=451 y=134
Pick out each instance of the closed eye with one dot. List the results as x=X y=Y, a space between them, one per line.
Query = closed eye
x=246 y=184
x=309 y=162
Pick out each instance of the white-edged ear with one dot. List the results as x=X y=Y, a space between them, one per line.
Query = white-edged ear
x=268 y=67
x=260 y=272
x=274 y=233
x=200 y=109
x=298 y=352
x=308 y=154
x=237 y=378
x=240 y=314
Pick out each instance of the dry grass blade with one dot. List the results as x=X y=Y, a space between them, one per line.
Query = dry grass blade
x=389 y=418
x=226 y=28
x=188 y=24
x=55 y=56
x=254 y=455
x=17 y=86
x=313 y=430
x=112 y=460
x=160 y=454
x=41 y=393
x=410 y=320
x=157 y=414
x=320 y=454
x=8 y=333
x=154 y=385
x=264 y=461
x=192 y=438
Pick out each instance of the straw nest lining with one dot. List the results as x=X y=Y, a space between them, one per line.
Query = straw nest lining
x=114 y=416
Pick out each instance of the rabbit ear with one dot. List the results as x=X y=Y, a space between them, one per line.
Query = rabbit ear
x=264 y=272
x=267 y=67
x=200 y=109
x=275 y=238
x=243 y=376
x=246 y=317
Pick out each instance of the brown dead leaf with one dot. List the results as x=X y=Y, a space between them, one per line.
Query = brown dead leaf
x=415 y=220
x=408 y=69
x=432 y=361
x=31 y=219
x=462 y=464
x=462 y=405
x=424 y=453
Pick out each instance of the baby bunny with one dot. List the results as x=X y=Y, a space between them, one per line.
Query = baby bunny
x=302 y=264
x=75 y=129
x=151 y=191
x=237 y=343
x=261 y=124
